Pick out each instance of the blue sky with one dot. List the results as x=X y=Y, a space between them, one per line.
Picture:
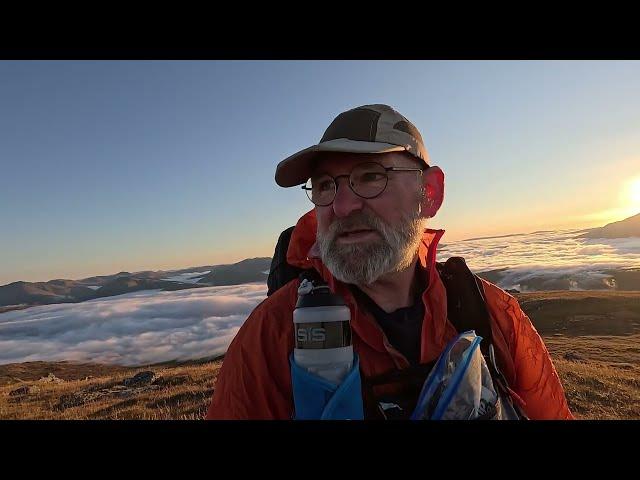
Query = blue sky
x=134 y=165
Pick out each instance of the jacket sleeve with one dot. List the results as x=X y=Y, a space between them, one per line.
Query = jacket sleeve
x=537 y=381
x=254 y=382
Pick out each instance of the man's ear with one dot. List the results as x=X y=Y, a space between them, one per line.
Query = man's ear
x=433 y=184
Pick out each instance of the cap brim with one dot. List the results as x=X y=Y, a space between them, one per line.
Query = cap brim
x=296 y=169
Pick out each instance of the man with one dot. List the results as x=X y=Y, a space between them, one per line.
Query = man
x=373 y=190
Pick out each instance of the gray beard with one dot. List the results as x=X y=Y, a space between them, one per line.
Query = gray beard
x=365 y=262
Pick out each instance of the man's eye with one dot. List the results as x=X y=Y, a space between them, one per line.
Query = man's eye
x=324 y=185
x=371 y=177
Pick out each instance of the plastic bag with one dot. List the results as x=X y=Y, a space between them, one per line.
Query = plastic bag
x=460 y=386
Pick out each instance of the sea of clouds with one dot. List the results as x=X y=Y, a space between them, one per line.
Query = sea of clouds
x=154 y=326
x=133 y=329
x=548 y=260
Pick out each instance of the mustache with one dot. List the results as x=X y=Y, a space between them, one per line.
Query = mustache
x=357 y=221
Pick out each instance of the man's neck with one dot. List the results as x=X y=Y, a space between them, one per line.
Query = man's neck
x=393 y=290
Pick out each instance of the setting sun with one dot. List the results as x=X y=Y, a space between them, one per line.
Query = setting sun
x=634 y=192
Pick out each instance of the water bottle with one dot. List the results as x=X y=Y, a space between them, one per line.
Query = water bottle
x=322 y=332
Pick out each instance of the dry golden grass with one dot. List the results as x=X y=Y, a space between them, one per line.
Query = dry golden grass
x=593 y=337
x=599 y=391
x=181 y=392
x=594 y=340
x=29 y=371
x=600 y=374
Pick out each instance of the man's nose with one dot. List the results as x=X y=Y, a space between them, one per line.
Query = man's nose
x=346 y=201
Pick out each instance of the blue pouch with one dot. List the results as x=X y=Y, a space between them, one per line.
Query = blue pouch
x=318 y=399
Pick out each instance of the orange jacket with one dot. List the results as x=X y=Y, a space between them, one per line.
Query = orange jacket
x=254 y=381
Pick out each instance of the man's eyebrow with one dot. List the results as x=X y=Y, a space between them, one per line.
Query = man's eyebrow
x=315 y=169
x=317 y=173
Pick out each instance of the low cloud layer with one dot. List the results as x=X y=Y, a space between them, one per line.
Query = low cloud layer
x=549 y=260
x=154 y=326
x=134 y=329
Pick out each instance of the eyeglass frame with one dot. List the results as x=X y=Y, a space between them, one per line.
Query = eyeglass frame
x=386 y=169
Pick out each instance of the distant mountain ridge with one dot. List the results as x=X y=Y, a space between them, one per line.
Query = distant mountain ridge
x=41 y=293
x=25 y=294
x=629 y=227
x=21 y=294
x=248 y=270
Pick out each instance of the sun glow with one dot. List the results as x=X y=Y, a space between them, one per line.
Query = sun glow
x=634 y=193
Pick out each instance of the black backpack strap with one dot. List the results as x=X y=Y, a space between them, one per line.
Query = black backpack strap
x=467 y=310
x=281 y=272
x=466 y=307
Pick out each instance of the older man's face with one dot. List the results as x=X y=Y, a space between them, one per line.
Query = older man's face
x=362 y=239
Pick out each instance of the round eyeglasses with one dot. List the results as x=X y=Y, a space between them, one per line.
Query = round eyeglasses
x=367 y=180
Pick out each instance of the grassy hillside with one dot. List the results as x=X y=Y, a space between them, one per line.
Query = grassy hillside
x=593 y=337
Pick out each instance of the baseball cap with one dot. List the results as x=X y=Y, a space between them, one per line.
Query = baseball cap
x=367 y=129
